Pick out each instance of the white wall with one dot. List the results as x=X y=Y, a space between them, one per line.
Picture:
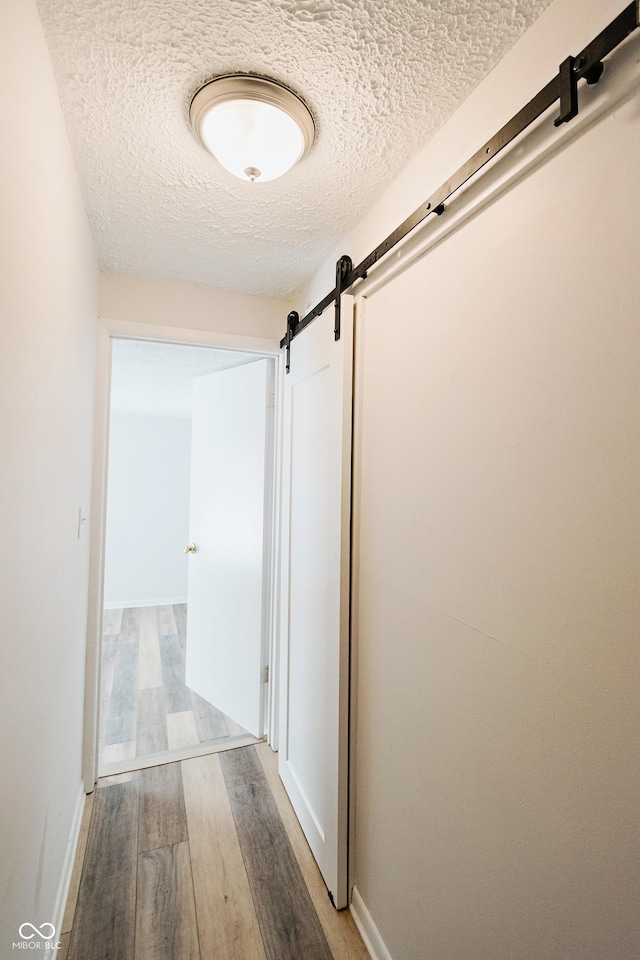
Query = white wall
x=194 y=306
x=48 y=307
x=498 y=462
x=147 y=510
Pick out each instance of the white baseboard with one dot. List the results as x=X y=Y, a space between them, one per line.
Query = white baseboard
x=126 y=604
x=368 y=930
x=67 y=870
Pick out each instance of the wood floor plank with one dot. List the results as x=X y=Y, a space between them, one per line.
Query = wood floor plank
x=182 y=730
x=130 y=625
x=116 y=752
x=151 y=728
x=121 y=715
x=110 y=640
x=162 y=814
x=339 y=926
x=76 y=873
x=180 y=616
x=104 y=921
x=208 y=731
x=235 y=730
x=165 y=917
x=166 y=620
x=177 y=696
x=149 y=661
x=211 y=723
x=242 y=767
x=288 y=921
x=202 y=707
x=227 y=923
x=107 y=670
x=111 y=621
x=116 y=778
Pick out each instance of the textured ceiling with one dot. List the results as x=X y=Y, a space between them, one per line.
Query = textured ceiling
x=156 y=379
x=380 y=77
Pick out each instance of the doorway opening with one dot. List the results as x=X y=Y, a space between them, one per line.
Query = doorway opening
x=186 y=619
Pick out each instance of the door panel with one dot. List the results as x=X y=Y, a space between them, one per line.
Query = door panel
x=316 y=547
x=225 y=599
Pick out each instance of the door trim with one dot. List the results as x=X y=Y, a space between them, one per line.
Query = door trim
x=112 y=329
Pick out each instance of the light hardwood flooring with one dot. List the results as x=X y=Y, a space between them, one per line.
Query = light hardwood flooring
x=146 y=707
x=202 y=859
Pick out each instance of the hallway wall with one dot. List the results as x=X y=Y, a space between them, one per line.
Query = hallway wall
x=498 y=517
x=190 y=305
x=48 y=306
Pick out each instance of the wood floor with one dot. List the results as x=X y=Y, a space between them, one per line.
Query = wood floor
x=146 y=707
x=200 y=860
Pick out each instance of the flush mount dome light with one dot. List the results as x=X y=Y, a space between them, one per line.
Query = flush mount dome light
x=254 y=127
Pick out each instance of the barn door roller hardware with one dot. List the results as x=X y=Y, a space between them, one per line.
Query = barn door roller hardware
x=292 y=322
x=344 y=266
x=586 y=66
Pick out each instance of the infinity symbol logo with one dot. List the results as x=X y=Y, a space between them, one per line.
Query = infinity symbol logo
x=39 y=933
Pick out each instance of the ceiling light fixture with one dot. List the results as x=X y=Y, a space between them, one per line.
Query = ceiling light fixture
x=254 y=127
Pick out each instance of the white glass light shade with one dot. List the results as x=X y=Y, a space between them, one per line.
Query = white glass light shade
x=254 y=127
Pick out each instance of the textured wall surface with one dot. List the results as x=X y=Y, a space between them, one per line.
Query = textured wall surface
x=379 y=77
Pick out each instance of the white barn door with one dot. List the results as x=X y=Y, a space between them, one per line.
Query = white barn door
x=313 y=756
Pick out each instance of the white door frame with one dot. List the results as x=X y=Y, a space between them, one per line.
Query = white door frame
x=109 y=330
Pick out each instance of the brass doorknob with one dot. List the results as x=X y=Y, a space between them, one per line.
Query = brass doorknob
x=191 y=548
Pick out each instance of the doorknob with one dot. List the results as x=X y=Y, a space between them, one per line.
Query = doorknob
x=191 y=548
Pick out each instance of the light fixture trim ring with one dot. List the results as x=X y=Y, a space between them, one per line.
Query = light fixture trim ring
x=241 y=86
